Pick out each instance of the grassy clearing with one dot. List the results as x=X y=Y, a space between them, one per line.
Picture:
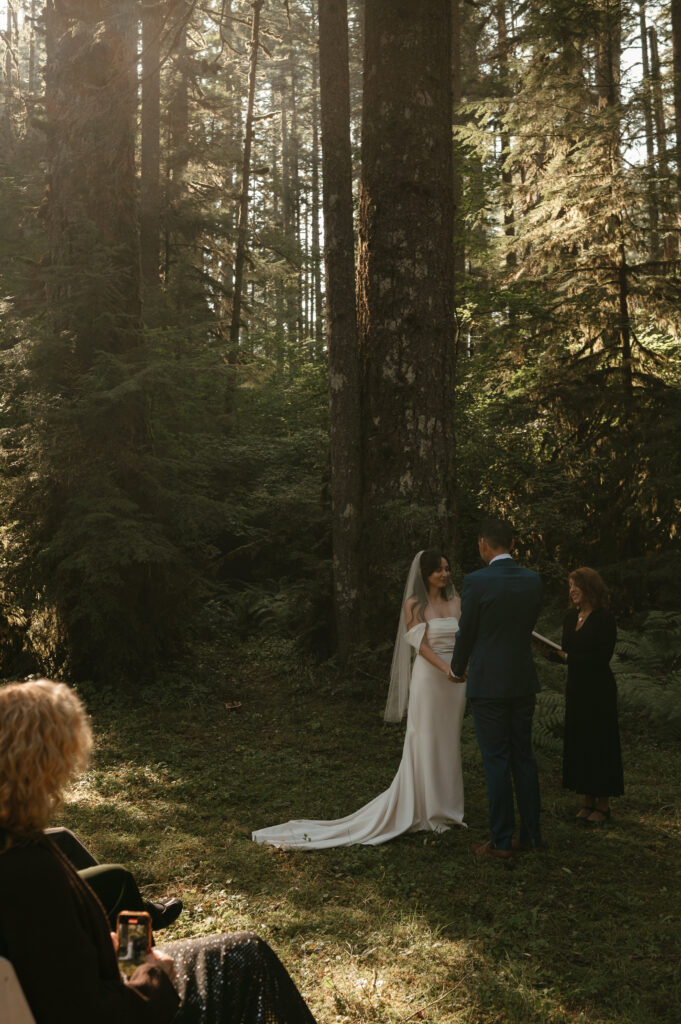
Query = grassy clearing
x=415 y=929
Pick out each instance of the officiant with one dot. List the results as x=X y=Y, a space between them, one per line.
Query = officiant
x=592 y=759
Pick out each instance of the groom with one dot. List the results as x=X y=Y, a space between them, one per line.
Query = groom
x=499 y=607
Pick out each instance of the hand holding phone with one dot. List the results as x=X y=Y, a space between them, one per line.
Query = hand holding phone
x=133 y=929
x=163 y=960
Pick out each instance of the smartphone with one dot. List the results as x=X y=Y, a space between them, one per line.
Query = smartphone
x=133 y=928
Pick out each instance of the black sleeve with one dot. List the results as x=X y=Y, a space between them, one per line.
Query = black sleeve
x=57 y=961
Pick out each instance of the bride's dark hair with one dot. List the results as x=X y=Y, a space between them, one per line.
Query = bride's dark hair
x=429 y=563
x=412 y=613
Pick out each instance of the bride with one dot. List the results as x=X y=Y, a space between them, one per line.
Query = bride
x=427 y=791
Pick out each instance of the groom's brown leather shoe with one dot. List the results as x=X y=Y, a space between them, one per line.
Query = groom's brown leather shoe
x=487 y=850
x=523 y=848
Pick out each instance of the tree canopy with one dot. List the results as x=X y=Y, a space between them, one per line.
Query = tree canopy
x=277 y=311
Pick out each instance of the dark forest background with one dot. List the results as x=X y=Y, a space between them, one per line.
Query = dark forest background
x=290 y=290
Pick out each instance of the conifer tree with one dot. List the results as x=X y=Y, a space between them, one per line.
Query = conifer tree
x=344 y=370
x=406 y=280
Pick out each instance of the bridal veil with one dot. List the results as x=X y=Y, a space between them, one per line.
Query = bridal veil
x=404 y=651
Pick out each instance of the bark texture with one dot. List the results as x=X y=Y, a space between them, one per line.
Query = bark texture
x=405 y=291
x=150 y=170
x=341 y=324
x=608 y=80
x=650 y=143
x=91 y=209
x=242 y=236
x=457 y=120
x=676 y=68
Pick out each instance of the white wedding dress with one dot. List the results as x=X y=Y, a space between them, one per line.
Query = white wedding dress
x=427 y=792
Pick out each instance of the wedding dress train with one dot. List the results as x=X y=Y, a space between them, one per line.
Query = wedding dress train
x=427 y=791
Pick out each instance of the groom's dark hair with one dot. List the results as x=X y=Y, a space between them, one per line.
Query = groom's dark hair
x=497 y=532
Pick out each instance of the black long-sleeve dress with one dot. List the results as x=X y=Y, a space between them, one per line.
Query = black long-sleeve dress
x=592 y=758
x=54 y=931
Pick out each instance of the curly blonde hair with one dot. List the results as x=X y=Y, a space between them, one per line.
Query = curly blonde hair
x=45 y=739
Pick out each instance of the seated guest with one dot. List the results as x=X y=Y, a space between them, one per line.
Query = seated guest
x=113 y=884
x=53 y=928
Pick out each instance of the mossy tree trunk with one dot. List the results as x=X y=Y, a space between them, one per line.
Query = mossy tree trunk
x=653 y=216
x=97 y=552
x=676 y=90
x=91 y=212
x=316 y=303
x=608 y=82
x=406 y=280
x=341 y=324
x=150 y=168
x=457 y=120
x=242 y=236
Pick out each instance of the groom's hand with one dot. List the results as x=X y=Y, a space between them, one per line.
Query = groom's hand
x=455 y=679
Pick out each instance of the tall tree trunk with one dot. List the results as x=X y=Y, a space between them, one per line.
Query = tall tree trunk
x=609 y=54
x=242 y=236
x=317 y=324
x=504 y=135
x=177 y=235
x=288 y=212
x=608 y=77
x=341 y=323
x=457 y=95
x=658 y=103
x=305 y=291
x=650 y=141
x=278 y=219
x=10 y=40
x=670 y=242
x=91 y=102
x=233 y=133
x=32 y=70
x=624 y=319
x=8 y=51
x=150 y=164
x=406 y=281
x=676 y=89
x=296 y=225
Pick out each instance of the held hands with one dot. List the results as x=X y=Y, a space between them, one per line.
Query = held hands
x=455 y=679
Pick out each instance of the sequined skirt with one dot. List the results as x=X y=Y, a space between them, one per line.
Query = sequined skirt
x=234 y=979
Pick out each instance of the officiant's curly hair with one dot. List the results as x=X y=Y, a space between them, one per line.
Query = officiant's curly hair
x=591 y=585
x=45 y=740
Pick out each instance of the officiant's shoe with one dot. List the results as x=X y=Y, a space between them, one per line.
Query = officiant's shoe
x=598 y=816
x=487 y=850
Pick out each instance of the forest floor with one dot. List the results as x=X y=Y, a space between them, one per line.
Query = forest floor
x=413 y=930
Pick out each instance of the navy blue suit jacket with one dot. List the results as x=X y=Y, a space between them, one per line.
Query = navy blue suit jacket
x=499 y=608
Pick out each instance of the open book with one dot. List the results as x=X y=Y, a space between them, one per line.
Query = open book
x=545 y=642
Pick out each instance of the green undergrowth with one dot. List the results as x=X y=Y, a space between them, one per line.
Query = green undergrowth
x=413 y=930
